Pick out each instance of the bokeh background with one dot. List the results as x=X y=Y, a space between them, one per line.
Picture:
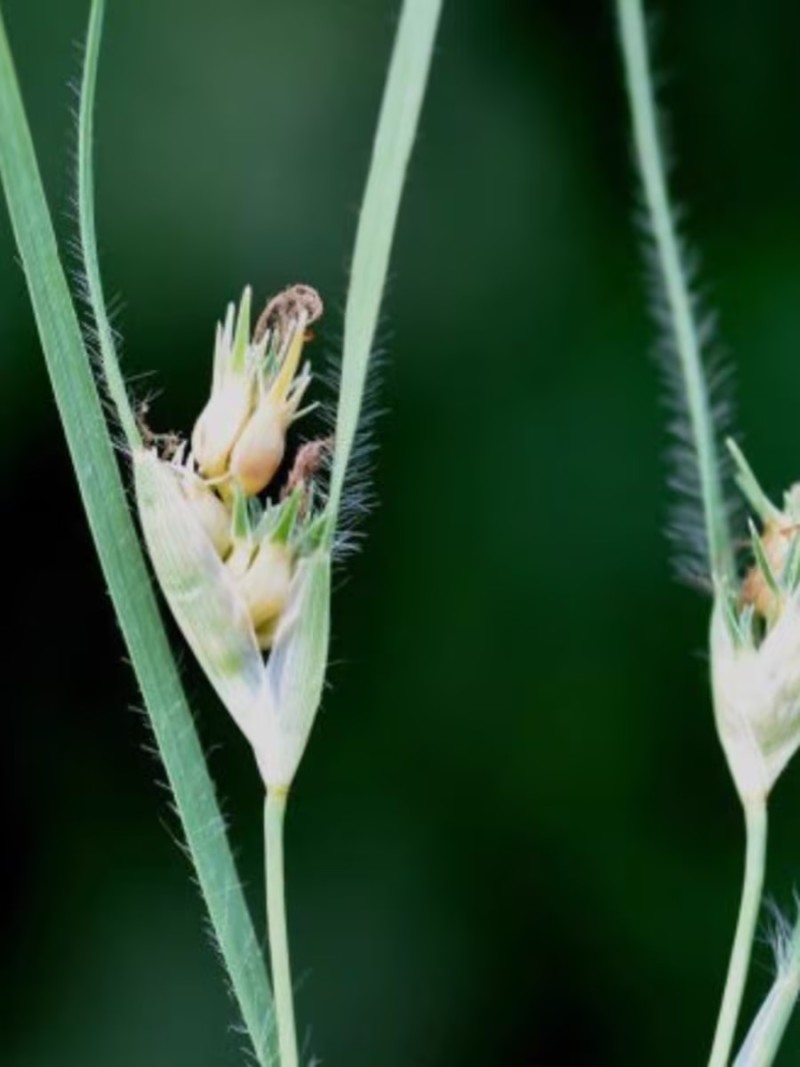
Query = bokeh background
x=513 y=839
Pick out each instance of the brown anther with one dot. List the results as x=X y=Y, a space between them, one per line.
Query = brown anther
x=310 y=457
x=285 y=307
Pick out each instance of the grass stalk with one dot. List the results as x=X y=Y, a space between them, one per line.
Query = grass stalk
x=755 y=812
x=274 y=812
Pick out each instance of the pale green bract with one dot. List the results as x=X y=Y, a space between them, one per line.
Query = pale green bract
x=295 y=671
x=199 y=589
x=273 y=704
x=757 y=699
x=755 y=645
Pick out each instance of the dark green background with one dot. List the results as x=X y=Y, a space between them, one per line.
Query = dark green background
x=513 y=839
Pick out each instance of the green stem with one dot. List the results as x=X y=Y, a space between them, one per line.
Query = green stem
x=755 y=814
x=274 y=811
x=676 y=286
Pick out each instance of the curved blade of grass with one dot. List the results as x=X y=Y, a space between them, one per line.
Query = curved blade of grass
x=683 y=326
x=120 y=554
x=114 y=382
x=397 y=125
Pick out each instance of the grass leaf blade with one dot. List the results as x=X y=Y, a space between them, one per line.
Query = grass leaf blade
x=686 y=332
x=397 y=125
x=122 y=562
x=114 y=382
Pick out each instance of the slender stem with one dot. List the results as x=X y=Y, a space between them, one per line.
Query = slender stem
x=676 y=286
x=274 y=810
x=115 y=383
x=755 y=814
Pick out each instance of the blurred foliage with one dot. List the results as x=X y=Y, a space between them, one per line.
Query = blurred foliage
x=513 y=839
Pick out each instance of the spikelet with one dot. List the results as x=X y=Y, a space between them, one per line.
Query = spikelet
x=233 y=392
x=755 y=646
x=757 y=699
x=244 y=576
x=239 y=438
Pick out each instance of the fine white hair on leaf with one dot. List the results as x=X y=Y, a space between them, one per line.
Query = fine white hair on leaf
x=686 y=527
x=778 y=935
x=102 y=338
x=358 y=496
x=81 y=285
x=696 y=383
x=766 y=1032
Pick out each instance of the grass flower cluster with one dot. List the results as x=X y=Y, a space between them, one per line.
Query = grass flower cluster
x=245 y=575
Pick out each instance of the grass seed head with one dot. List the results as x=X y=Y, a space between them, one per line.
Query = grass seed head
x=755 y=647
x=243 y=575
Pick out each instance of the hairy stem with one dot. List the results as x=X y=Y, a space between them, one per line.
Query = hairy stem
x=274 y=811
x=755 y=813
x=764 y=1037
x=687 y=342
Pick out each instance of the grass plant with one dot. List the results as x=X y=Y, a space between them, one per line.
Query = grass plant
x=276 y=703
x=755 y=625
